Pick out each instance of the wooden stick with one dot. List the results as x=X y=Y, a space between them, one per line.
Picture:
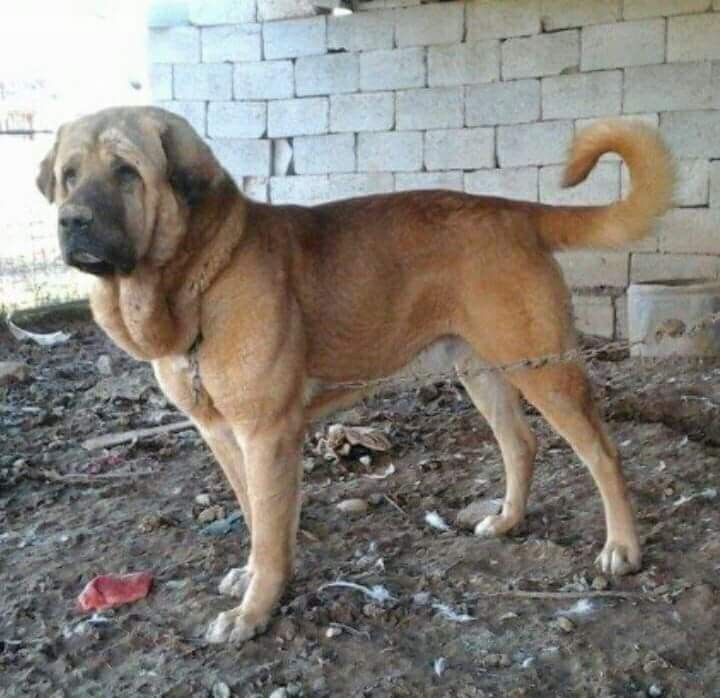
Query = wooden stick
x=125 y=436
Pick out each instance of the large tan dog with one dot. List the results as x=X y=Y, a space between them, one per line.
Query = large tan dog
x=257 y=317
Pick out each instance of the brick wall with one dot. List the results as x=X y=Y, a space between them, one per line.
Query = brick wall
x=482 y=97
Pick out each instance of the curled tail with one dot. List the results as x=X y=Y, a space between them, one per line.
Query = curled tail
x=652 y=177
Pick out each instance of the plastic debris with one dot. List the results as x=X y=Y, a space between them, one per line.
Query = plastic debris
x=445 y=611
x=377 y=593
x=109 y=590
x=44 y=339
x=434 y=520
x=439 y=666
x=223 y=526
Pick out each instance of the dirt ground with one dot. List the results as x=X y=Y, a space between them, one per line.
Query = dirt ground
x=68 y=514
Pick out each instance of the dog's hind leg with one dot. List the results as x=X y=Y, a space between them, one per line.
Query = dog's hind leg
x=499 y=402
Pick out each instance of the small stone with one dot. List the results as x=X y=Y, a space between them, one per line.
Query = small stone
x=104 y=365
x=279 y=693
x=376 y=498
x=221 y=690
x=565 y=624
x=655 y=691
x=477 y=511
x=308 y=465
x=13 y=372
x=333 y=631
x=287 y=630
x=428 y=393
x=599 y=583
x=203 y=500
x=365 y=460
x=212 y=513
x=294 y=689
x=353 y=506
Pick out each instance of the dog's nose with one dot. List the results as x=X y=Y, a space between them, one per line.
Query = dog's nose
x=75 y=218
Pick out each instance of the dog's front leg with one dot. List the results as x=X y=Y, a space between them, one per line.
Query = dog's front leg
x=273 y=476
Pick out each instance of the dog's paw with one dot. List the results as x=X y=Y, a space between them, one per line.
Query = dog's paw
x=494 y=525
x=618 y=558
x=235 y=582
x=234 y=627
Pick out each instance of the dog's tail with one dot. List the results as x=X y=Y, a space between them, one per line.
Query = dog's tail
x=652 y=176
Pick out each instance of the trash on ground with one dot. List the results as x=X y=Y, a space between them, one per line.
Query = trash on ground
x=109 y=590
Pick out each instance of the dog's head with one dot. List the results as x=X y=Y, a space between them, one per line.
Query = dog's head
x=126 y=181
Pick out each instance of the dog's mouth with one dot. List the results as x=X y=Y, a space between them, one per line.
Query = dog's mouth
x=90 y=263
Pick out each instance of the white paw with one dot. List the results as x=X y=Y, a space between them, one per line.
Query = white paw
x=494 y=525
x=235 y=582
x=619 y=558
x=234 y=627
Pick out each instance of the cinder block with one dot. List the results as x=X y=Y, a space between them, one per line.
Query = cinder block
x=693 y=38
x=205 y=13
x=390 y=152
x=269 y=10
x=160 y=79
x=499 y=19
x=637 y=9
x=321 y=154
x=662 y=267
x=194 y=112
x=266 y=80
x=361 y=32
x=325 y=75
x=692 y=134
x=295 y=37
x=460 y=149
x=236 y=42
x=414 y=181
x=715 y=184
x=304 y=190
x=436 y=107
x=514 y=102
x=573 y=96
x=256 y=188
x=601 y=187
x=537 y=56
x=562 y=14
x=596 y=268
x=236 y=119
x=464 y=64
x=623 y=44
x=533 y=144
x=621 y=317
x=594 y=315
x=441 y=23
x=282 y=155
x=691 y=231
x=519 y=183
x=349 y=186
x=243 y=157
x=374 y=111
x=692 y=182
x=297 y=117
x=202 y=81
x=392 y=70
x=668 y=87
x=174 y=45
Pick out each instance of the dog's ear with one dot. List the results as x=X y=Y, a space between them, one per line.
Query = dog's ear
x=45 y=180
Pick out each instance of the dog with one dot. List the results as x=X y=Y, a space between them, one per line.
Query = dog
x=261 y=318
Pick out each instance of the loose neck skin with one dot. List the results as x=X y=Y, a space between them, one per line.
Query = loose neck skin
x=155 y=311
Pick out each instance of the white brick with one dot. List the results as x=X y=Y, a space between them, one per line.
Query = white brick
x=392 y=70
x=297 y=117
x=694 y=38
x=174 y=45
x=256 y=188
x=296 y=37
x=594 y=315
x=460 y=149
x=194 y=112
x=348 y=186
x=533 y=144
x=691 y=231
x=436 y=107
x=390 y=152
x=514 y=102
x=202 y=81
x=236 y=119
x=692 y=134
x=237 y=42
x=668 y=87
x=361 y=32
x=508 y=183
x=623 y=44
x=282 y=155
x=374 y=111
x=307 y=190
x=170 y=13
x=243 y=157
x=572 y=96
x=692 y=182
x=441 y=23
x=715 y=81
x=601 y=187
x=659 y=267
x=323 y=75
x=160 y=79
x=497 y=19
x=536 y=56
x=596 y=268
x=203 y=12
x=715 y=184
x=621 y=317
x=284 y=9
x=415 y=181
x=464 y=64
x=321 y=154
x=561 y=14
x=637 y=9
x=266 y=80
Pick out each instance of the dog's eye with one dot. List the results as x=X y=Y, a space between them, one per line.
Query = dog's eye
x=69 y=177
x=126 y=174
